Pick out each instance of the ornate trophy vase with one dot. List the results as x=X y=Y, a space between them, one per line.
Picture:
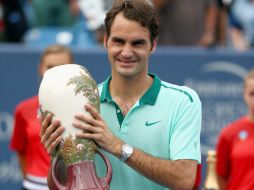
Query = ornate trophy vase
x=63 y=92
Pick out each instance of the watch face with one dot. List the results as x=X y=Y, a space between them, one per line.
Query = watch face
x=128 y=149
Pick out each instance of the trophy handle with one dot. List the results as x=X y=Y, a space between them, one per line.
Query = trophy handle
x=54 y=183
x=105 y=180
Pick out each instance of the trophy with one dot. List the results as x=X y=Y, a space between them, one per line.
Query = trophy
x=63 y=92
x=211 y=178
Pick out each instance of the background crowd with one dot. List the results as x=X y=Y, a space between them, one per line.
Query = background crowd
x=205 y=23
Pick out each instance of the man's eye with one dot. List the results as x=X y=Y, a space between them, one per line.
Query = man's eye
x=138 y=43
x=118 y=41
x=251 y=93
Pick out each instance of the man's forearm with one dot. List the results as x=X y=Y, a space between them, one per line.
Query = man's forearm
x=178 y=174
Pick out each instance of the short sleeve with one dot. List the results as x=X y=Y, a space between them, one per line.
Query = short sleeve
x=185 y=135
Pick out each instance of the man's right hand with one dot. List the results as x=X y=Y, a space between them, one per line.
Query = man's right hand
x=51 y=133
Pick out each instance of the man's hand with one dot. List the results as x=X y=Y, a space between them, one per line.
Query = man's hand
x=51 y=133
x=94 y=127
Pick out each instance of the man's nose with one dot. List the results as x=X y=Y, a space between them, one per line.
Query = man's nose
x=127 y=51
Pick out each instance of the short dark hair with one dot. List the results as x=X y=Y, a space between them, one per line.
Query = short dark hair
x=138 y=10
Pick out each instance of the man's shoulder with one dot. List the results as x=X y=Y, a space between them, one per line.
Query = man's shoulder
x=180 y=91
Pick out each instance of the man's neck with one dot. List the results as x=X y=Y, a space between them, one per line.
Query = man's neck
x=126 y=88
x=127 y=92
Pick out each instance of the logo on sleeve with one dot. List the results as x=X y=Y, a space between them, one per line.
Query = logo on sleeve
x=196 y=145
x=148 y=124
x=243 y=135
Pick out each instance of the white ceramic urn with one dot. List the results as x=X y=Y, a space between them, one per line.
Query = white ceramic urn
x=63 y=92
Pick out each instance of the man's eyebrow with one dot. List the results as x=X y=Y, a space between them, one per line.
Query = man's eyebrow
x=117 y=39
x=139 y=41
x=134 y=42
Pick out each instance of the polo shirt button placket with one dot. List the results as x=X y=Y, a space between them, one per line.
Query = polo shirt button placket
x=123 y=130
x=124 y=127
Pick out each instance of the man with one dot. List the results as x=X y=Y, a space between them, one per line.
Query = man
x=150 y=129
x=33 y=158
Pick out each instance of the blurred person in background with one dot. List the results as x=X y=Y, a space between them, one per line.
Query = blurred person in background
x=235 y=155
x=21 y=16
x=187 y=23
x=33 y=158
x=1 y=21
x=51 y=13
x=43 y=22
x=51 y=22
x=14 y=21
x=222 y=23
x=94 y=13
x=242 y=24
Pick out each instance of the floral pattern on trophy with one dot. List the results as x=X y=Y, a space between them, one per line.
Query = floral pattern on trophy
x=88 y=86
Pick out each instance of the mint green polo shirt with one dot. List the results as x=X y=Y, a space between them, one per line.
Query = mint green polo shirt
x=165 y=123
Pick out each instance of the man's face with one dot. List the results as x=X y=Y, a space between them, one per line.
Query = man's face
x=129 y=47
x=249 y=94
x=52 y=60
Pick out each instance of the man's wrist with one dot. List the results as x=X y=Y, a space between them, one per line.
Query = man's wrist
x=126 y=152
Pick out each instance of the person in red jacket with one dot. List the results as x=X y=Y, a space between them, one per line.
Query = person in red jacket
x=235 y=155
x=34 y=159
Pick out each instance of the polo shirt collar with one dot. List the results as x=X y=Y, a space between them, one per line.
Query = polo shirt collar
x=151 y=94
x=105 y=94
x=149 y=97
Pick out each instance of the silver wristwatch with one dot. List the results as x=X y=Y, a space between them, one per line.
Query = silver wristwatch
x=127 y=151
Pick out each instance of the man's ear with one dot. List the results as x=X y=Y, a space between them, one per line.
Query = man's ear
x=154 y=45
x=105 y=40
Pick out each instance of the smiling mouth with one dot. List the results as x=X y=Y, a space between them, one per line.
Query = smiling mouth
x=127 y=62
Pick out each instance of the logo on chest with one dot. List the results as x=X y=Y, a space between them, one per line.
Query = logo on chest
x=149 y=124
